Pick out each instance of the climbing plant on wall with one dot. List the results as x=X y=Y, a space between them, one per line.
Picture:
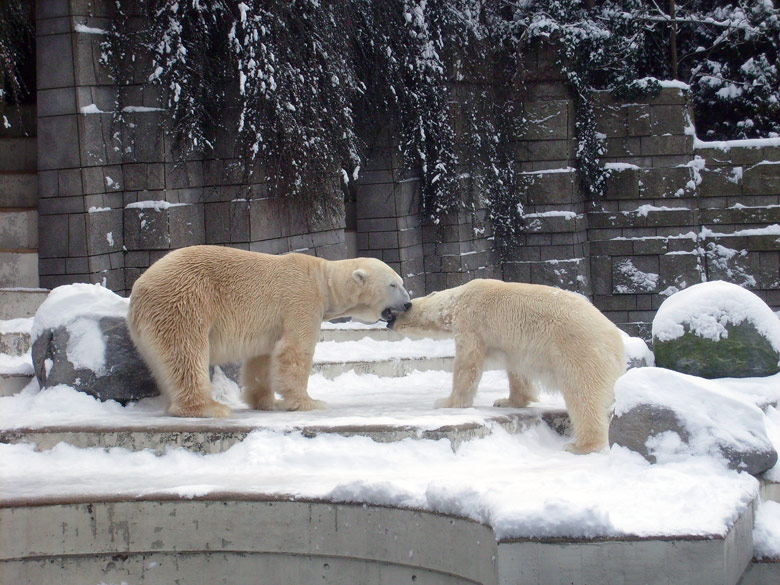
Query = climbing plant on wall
x=302 y=80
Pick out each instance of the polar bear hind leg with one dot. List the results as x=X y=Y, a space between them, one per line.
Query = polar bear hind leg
x=185 y=382
x=588 y=401
x=522 y=391
x=289 y=374
x=256 y=382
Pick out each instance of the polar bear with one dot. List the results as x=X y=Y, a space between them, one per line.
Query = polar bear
x=543 y=333
x=206 y=305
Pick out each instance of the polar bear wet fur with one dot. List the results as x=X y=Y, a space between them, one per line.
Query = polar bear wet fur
x=207 y=305
x=545 y=334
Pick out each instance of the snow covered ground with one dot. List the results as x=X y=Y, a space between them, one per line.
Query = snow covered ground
x=522 y=484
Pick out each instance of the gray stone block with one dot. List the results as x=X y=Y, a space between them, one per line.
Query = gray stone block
x=637 y=427
x=61 y=151
x=104 y=231
x=54 y=61
x=375 y=201
x=667 y=119
x=638 y=119
x=268 y=219
x=77 y=235
x=666 y=145
x=56 y=102
x=146 y=229
x=52 y=236
x=547 y=120
x=762 y=179
x=124 y=376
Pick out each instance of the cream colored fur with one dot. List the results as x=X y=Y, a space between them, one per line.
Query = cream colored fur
x=545 y=334
x=207 y=305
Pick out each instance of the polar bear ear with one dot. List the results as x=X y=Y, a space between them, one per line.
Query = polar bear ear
x=360 y=275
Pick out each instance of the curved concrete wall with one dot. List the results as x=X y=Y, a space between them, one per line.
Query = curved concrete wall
x=238 y=539
x=239 y=542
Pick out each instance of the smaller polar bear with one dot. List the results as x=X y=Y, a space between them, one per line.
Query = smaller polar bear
x=207 y=305
x=544 y=334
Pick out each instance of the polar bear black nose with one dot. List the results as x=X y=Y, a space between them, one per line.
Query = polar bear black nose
x=407 y=306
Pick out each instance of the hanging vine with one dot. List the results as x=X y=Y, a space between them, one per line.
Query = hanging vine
x=304 y=76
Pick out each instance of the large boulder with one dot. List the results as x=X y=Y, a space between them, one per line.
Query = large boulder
x=80 y=339
x=662 y=414
x=717 y=330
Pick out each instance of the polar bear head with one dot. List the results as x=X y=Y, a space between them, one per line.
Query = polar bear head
x=429 y=316
x=370 y=289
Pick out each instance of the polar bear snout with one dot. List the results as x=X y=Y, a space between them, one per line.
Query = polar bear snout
x=390 y=314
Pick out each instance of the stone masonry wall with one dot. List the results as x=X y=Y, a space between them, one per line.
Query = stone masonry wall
x=679 y=211
x=115 y=197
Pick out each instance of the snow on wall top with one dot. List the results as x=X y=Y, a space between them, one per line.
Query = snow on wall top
x=708 y=307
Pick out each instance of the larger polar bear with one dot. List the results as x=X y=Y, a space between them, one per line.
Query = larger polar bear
x=207 y=305
x=545 y=334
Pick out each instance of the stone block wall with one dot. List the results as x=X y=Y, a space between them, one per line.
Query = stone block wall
x=679 y=211
x=114 y=194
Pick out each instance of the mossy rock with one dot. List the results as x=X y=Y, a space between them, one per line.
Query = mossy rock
x=743 y=353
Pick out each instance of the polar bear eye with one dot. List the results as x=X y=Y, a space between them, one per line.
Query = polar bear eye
x=393 y=285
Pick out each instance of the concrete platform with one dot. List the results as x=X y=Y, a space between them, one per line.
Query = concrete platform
x=215 y=435
x=21 y=302
x=237 y=539
x=14 y=343
x=19 y=268
x=386 y=368
x=11 y=384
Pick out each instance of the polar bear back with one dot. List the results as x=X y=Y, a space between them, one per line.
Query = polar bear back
x=231 y=306
x=547 y=329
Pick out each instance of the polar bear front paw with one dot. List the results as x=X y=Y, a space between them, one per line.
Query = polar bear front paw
x=301 y=404
x=578 y=449
x=211 y=409
x=450 y=402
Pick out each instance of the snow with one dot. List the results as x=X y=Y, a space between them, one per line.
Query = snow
x=522 y=485
x=707 y=307
x=82 y=28
x=705 y=408
x=726 y=145
x=21 y=325
x=155 y=205
x=643 y=210
x=16 y=365
x=766 y=532
x=91 y=109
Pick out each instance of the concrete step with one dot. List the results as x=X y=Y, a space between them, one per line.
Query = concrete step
x=14 y=342
x=217 y=435
x=20 y=302
x=384 y=368
x=762 y=572
x=18 y=342
x=18 y=229
x=11 y=384
x=18 y=189
x=18 y=154
x=356 y=331
x=18 y=269
x=272 y=538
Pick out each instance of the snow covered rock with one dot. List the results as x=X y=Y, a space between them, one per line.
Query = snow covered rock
x=664 y=415
x=80 y=339
x=717 y=330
